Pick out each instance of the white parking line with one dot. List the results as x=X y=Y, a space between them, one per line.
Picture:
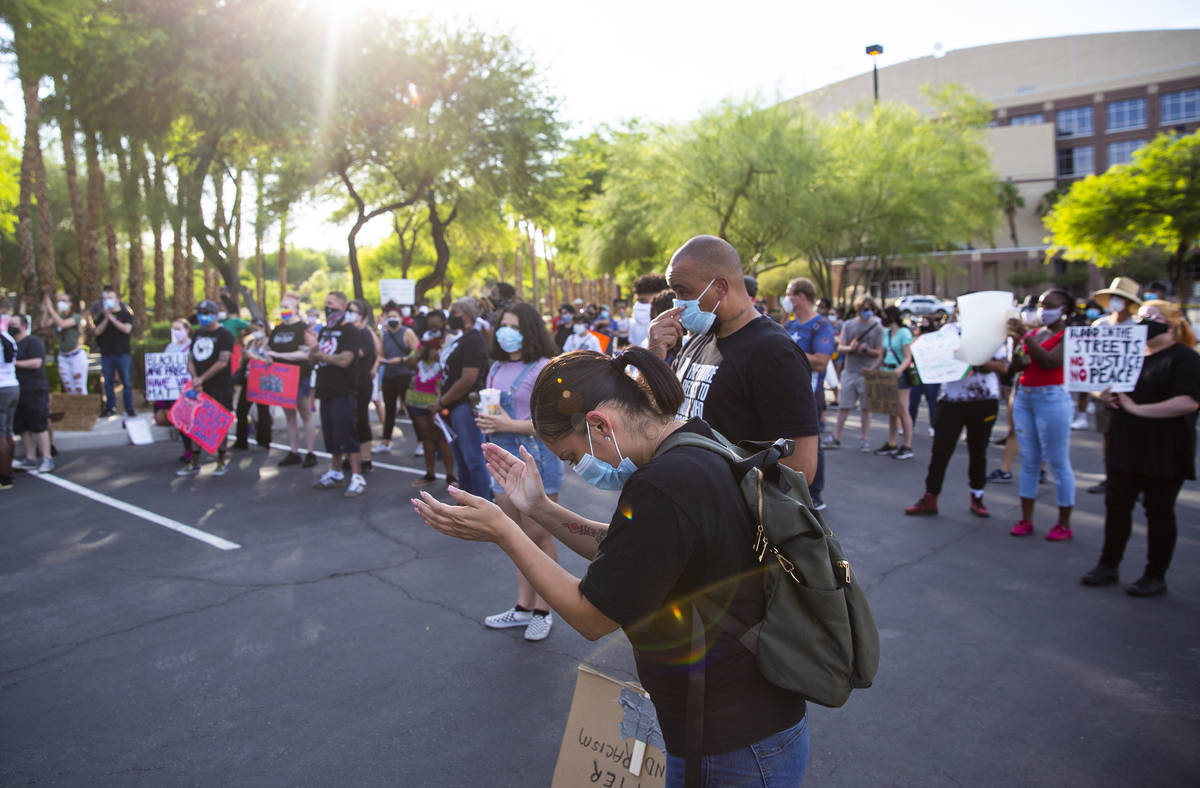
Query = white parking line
x=374 y=462
x=137 y=511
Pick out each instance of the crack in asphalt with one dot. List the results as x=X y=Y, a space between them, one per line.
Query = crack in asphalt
x=919 y=559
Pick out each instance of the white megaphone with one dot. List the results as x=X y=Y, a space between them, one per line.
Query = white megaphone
x=983 y=317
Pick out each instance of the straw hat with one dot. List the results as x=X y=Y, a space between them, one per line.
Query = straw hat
x=1123 y=287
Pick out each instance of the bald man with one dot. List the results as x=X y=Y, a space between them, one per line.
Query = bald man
x=740 y=371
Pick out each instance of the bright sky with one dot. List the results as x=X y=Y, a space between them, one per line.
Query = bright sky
x=666 y=60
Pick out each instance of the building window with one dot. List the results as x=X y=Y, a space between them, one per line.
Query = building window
x=1180 y=107
x=1129 y=114
x=1076 y=122
x=1122 y=152
x=1027 y=120
x=1076 y=162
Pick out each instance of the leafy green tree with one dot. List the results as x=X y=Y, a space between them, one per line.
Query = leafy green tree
x=1151 y=203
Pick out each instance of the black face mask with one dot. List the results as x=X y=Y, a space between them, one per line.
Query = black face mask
x=393 y=322
x=455 y=322
x=1154 y=328
x=330 y=312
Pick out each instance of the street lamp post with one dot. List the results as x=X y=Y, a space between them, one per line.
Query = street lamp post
x=873 y=50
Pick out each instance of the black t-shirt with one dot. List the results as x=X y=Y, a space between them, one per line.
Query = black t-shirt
x=112 y=341
x=362 y=367
x=206 y=349
x=393 y=346
x=32 y=379
x=1163 y=448
x=681 y=525
x=288 y=338
x=471 y=351
x=332 y=380
x=754 y=384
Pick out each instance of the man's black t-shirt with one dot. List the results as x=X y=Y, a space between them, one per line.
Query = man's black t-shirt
x=681 y=525
x=755 y=384
x=332 y=380
x=362 y=367
x=206 y=349
x=32 y=379
x=471 y=351
x=112 y=341
x=1163 y=448
x=288 y=338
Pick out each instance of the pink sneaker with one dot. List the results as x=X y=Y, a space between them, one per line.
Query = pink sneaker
x=1059 y=533
x=1022 y=528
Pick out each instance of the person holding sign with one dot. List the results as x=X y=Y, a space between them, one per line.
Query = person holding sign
x=255 y=348
x=1121 y=299
x=1042 y=411
x=208 y=363
x=1152 y=449
x=286 y=345
x=180 y=345
x=680 y=527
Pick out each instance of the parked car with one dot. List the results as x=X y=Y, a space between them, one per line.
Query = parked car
x=921 y=305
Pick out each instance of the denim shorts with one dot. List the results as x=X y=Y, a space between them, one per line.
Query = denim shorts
x=549 y=466
x=9 y=396
x=305 y=387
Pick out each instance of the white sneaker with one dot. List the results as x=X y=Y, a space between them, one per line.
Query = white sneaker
x=1080 y=422
x=539 y=627
x=188 y=470
x=329 y=480
x=358 y=486
x=222 y=468
x=46 y=466
x=931 y=432
x=420 y=452
x=25 y=464
x=381 y=448
x=509 y=618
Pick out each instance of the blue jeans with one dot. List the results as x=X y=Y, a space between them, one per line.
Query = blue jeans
x=122 y=365
x=816 y=485
x=1042 y=417
x=778 y=761
x=468 y=452
x=930 y=392
x=550 y=468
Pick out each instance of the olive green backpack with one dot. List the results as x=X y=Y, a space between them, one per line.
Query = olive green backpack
x=817 y=636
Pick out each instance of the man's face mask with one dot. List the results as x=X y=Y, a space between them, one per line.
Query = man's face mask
x=695 y=319
x=206 y=319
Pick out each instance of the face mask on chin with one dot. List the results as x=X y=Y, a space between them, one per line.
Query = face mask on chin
x=600 y=474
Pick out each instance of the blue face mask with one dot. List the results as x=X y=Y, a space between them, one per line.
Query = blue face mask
x=1093 y=313
x=205 y=318
x=509 y=339
x=867 y=314
x=694 y=318
x=601 y=474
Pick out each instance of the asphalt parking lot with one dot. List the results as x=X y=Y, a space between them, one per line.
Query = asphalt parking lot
x=313 y=640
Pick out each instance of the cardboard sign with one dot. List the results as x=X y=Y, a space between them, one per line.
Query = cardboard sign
x=397 y=291
x=1104 y=357
x=883 y=392
x=934 y=355
x=202 y=419
x=166 y=375
x=612 y=737
x=74 y=412
x=272 y=384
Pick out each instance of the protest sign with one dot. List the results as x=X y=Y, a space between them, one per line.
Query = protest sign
x=272 y=384
x=166 y=375
x=934 y=355
x=397 y=291
x=883 y=389
x=140 y=431
x=235 y=358
x=202 y=419
x=74 y=412
x=1104 y=357
x=612 y=736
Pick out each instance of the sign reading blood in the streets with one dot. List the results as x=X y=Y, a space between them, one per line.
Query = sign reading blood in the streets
x=202 y=419
x=1104 y=357
x=272 y=384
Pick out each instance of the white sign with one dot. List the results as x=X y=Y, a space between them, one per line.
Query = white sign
x=1104 y=357
x=397 y=291
x=165 y=375
x=934 y=355
x=140 y=432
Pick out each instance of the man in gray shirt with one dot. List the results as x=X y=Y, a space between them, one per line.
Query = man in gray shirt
x=861 y=345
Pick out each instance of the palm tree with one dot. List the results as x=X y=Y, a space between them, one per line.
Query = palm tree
x=1011 y=201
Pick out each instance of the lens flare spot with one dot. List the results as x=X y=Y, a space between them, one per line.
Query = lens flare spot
x=677 y=612
x=627 y=512
x=566 y=395
x=559 y=380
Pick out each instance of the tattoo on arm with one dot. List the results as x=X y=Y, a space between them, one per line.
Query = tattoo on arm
x=586 y=530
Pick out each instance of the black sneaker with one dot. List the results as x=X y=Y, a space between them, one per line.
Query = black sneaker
x=1147 y=586
x=366 y=466
x=108 y=412
x=999 y=476
x=310 y=460
x=292 y=458
x=1042 y=476
x=1101 y=575
x=1099 y=489
x=885 y=450
x=240 y=446
x=818 y=503
x=903 y=453
x=131 y=413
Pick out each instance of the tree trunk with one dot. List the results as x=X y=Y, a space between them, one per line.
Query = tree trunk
x=131 y=200
x=551 y=282
x=45 y=231
x=179 y=272
x=89 y=278
x=500 y=268
x=437 y=230
x=518 y=273
x=156 y=193
x=235 y=251
x=260 y=221
x=283 y=252
x=29 y=283
x=110 y=242
x=95 y=197
x=533 y=267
